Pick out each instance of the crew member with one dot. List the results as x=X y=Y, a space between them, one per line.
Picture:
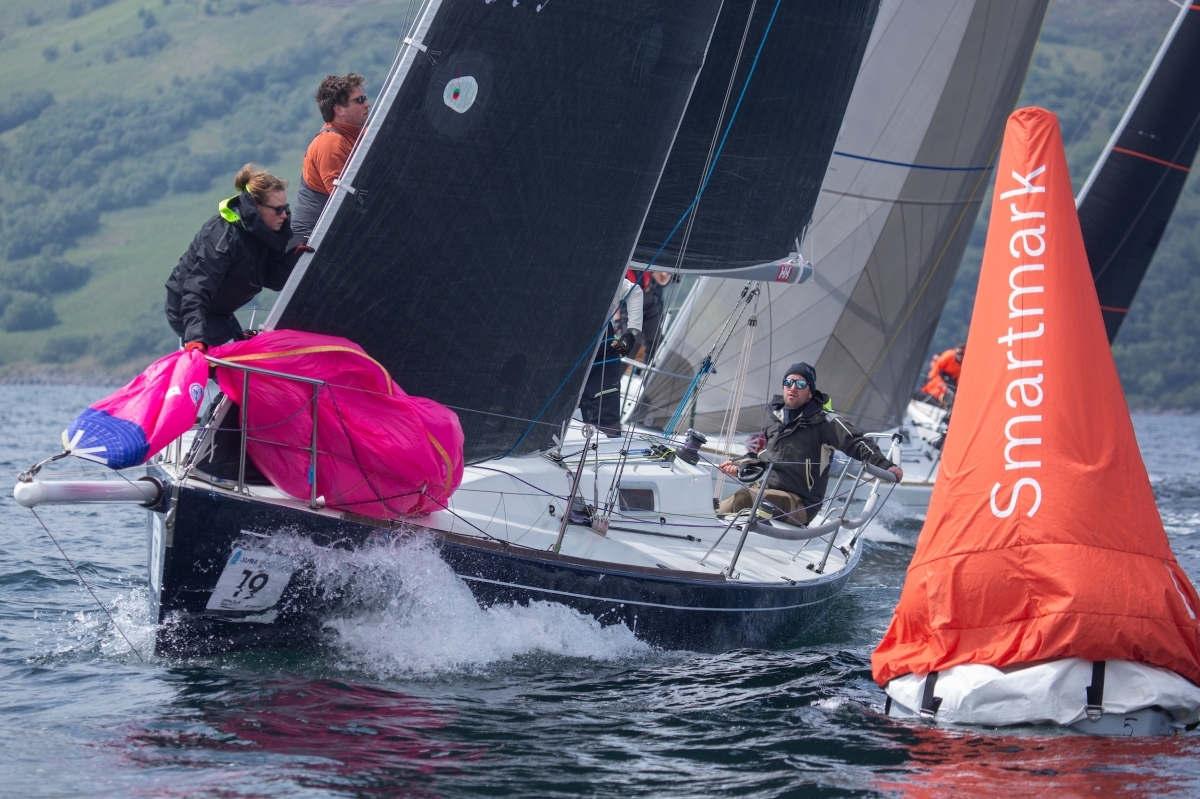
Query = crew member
x=653 y=285
x=799 y=438
x=237 y=253
x=344 y=107
x=600 y=404
x=944 y=370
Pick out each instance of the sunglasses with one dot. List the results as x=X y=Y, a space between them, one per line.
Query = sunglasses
x=280 y=210
x=789 y=382
x=361 y=99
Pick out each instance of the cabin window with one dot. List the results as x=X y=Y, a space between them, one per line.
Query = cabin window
x=637 y=499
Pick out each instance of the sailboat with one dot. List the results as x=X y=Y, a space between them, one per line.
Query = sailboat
x=1131 y=193
x=1043 y=588
x=896 y=206
x=1124 y=207
x=471 y=249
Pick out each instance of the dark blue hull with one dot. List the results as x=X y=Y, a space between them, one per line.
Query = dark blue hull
x=670 y=609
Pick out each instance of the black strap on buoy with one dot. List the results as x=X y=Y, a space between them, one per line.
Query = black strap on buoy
x=929 y=702
x=1095 y=692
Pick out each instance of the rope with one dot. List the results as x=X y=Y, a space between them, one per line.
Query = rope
x=88 y=587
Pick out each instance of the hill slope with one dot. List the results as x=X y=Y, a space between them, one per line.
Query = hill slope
x=127 y=119
x=127 y=123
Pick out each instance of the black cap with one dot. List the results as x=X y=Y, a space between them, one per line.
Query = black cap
x=805 y=371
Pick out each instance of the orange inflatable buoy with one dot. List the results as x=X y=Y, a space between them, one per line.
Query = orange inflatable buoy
x=1043 y=540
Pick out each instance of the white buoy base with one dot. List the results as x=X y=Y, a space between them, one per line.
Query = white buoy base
x=1138 y=699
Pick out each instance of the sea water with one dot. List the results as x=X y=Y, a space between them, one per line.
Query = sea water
x=420 y=692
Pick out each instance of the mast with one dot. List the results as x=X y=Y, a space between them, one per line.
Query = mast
x=1129 y=197
x=480 y=228
x=897 y=205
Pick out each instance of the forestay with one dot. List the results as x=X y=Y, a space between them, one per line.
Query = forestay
x=481 y=226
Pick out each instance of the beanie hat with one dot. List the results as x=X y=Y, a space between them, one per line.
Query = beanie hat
x=805 y=371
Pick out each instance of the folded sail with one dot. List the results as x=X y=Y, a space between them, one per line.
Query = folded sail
x=1042 y=539
x=491 y=206
x=381 y=452
x=1128 y=199
x=897 y=206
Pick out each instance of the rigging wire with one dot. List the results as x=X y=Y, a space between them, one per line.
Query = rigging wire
x=88 y=587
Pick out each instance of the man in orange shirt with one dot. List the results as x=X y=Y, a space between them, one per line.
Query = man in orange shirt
x=943 y=374
x=344 y=107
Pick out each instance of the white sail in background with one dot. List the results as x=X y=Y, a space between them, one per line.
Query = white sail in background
x=899 y=200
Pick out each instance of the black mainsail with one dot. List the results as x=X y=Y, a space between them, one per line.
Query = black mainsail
x=480 y=228
x=800 y=58
x=1128 y=199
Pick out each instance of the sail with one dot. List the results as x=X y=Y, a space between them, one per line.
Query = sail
x=896 y=209
x=382 y=453
x=797 y=62
x=1128 y=199
x=480 y=228
x=1042 y=540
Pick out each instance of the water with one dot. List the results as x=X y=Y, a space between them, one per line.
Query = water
x=425 y=694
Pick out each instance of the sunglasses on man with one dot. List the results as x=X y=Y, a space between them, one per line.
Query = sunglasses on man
x=361 y=99
x=789 y=382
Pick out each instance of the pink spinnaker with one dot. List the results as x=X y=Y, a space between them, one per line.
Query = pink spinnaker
x=381 y=453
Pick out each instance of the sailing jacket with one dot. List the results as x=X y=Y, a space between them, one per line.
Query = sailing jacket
x=942 y=367
x=233 y=257
x=801 y=448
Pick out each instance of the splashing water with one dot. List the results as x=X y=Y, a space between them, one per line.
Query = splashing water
x=405 y=613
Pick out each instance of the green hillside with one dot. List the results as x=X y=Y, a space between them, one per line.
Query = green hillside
x=125 y=124
x=122 y=123
x=1087 y=66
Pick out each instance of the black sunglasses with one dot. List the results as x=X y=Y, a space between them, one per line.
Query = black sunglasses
x=361 y=99
x=788 y=382
x=280 y=209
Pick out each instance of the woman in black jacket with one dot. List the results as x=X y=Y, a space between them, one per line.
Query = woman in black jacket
x=235 y=255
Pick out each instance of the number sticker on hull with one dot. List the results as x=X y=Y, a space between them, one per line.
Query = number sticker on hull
x=251 y=581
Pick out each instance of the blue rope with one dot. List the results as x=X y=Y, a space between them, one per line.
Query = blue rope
x=711 y=168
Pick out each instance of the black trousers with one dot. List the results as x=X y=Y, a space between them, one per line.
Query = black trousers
x=218 y=329
x=601 y=401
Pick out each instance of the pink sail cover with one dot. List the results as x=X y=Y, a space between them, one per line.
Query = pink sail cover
x=381 y=453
